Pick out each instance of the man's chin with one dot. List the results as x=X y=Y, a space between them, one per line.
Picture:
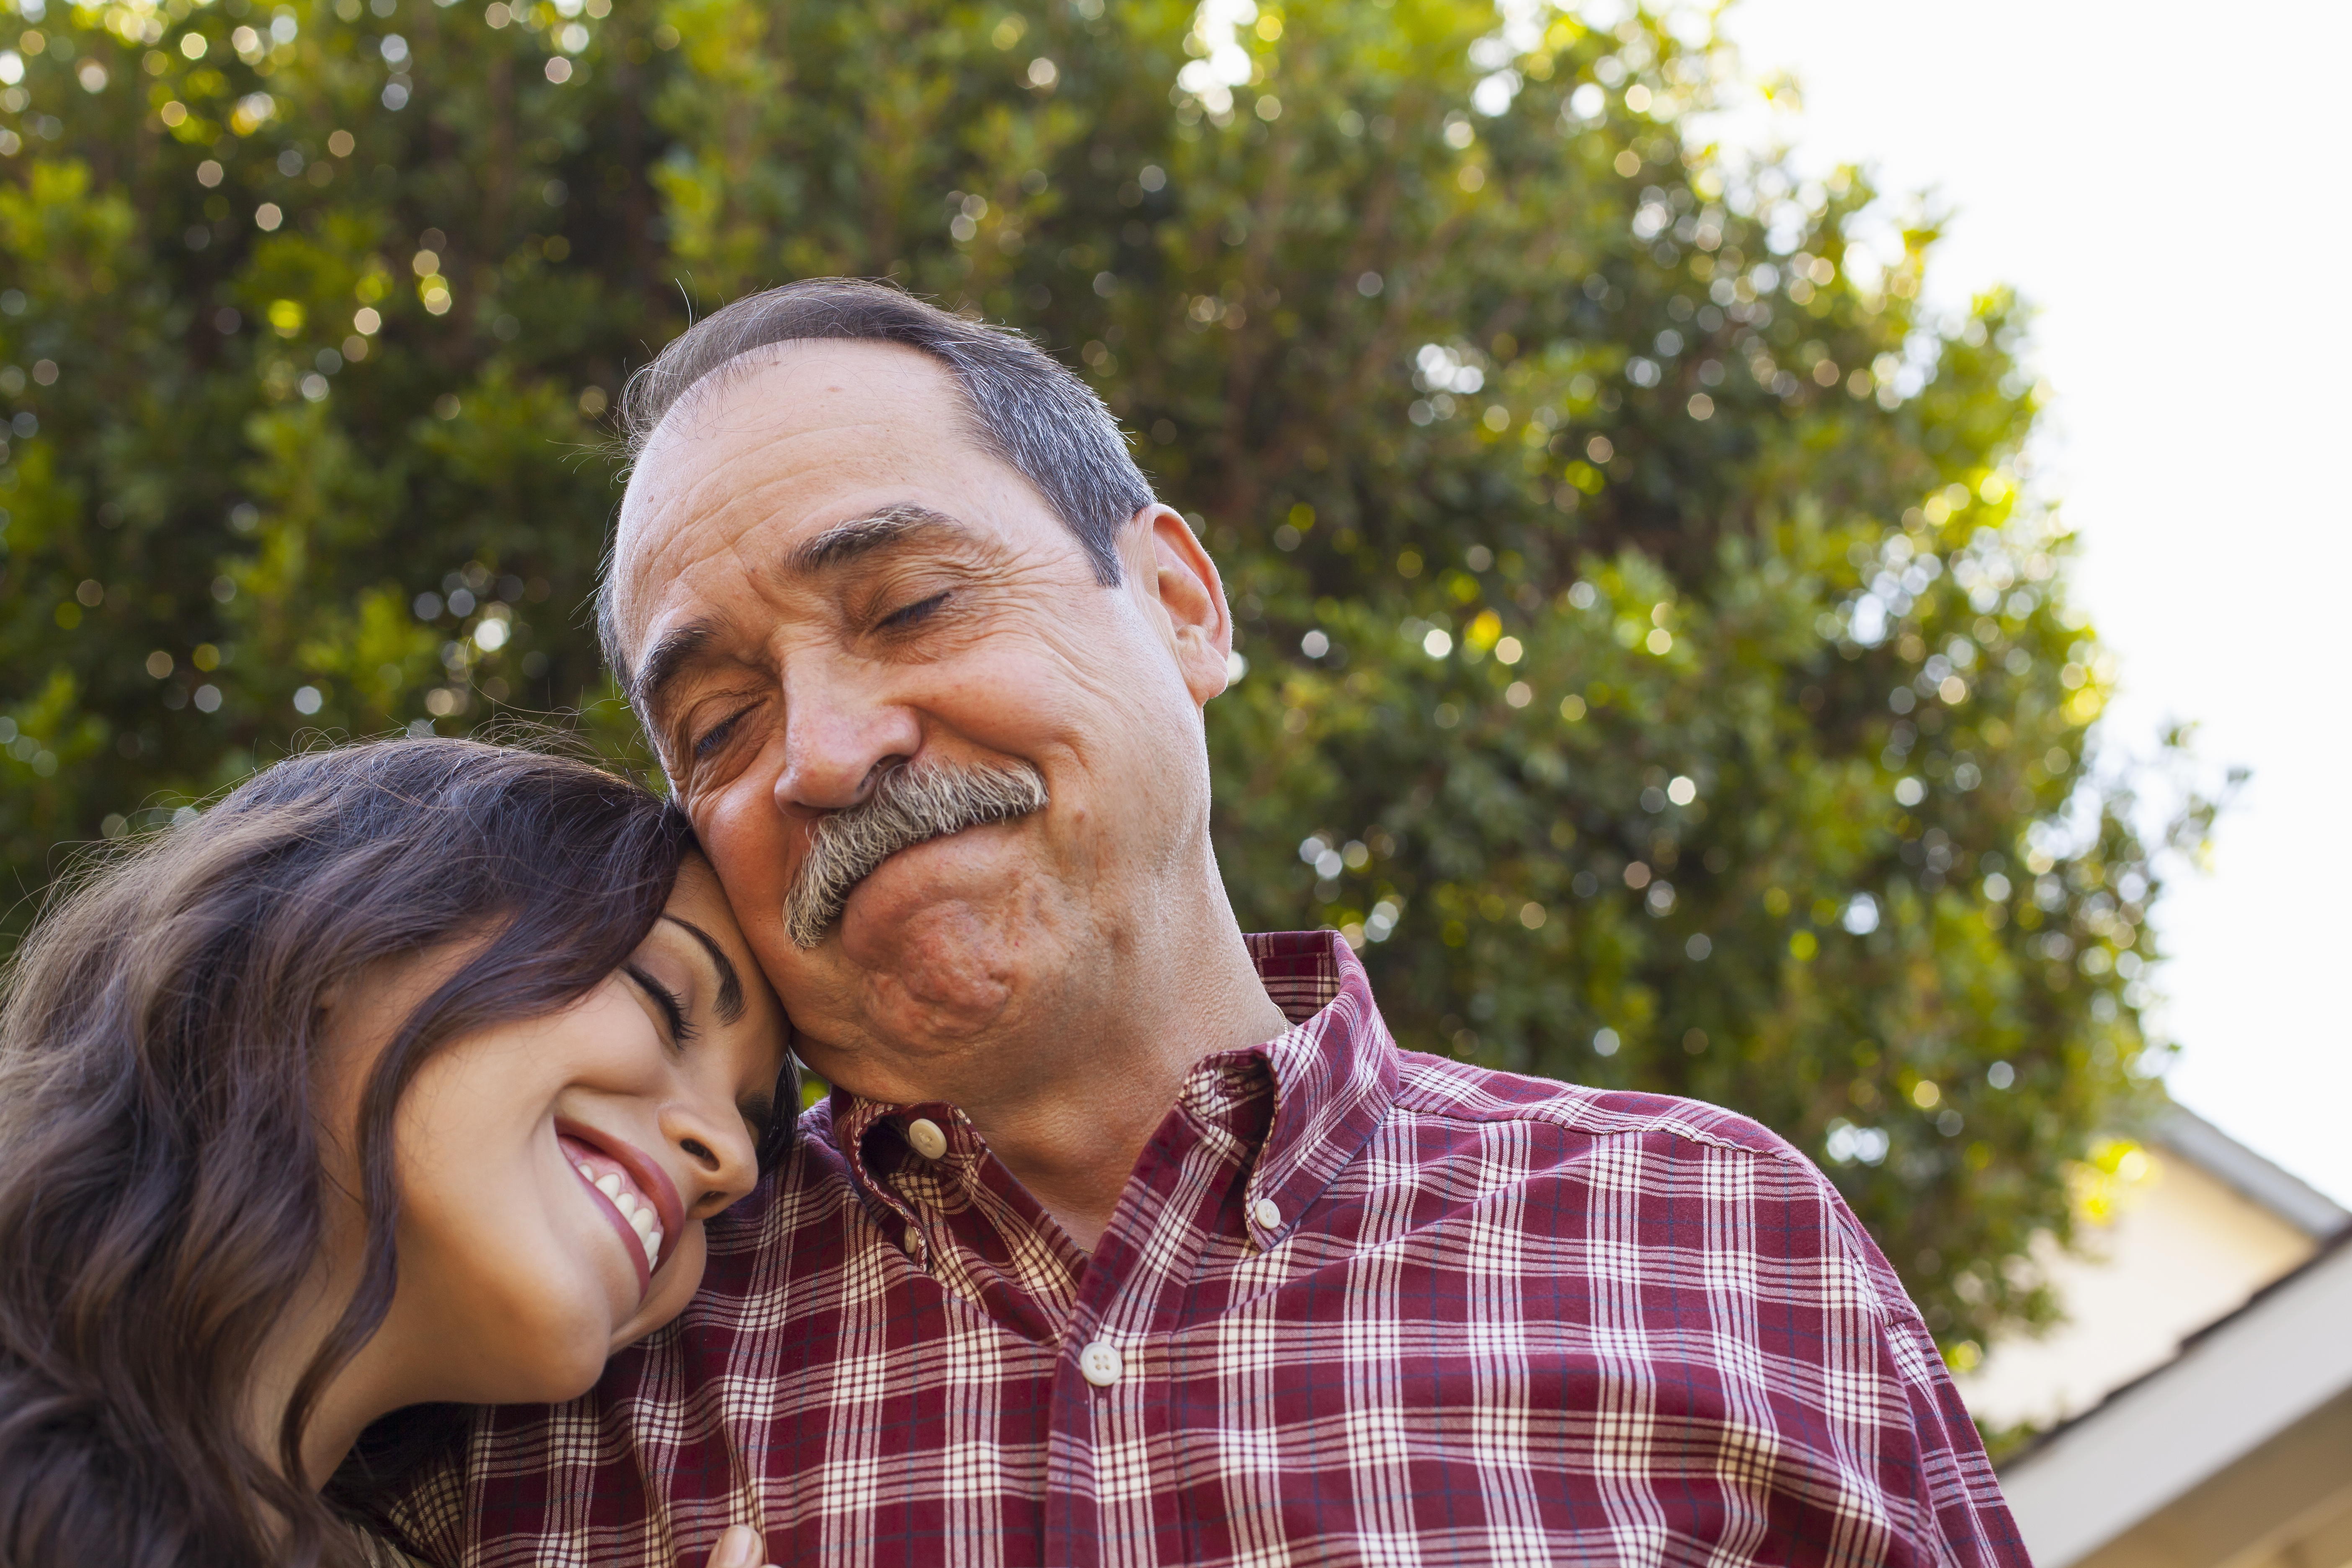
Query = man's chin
x=947 y=973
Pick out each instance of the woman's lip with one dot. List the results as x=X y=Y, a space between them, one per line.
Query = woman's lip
x=649 y=1178
x=631 y=1242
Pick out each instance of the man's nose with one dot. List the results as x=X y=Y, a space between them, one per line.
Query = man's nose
x=840 y=732
x=709 y=1133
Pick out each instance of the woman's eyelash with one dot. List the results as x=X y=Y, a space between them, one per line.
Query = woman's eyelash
x=665 y=999
x=914 y=613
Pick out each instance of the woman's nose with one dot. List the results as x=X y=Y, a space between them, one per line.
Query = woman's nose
x=718 y=1149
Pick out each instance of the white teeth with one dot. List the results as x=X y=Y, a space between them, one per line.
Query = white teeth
x=640 y=1215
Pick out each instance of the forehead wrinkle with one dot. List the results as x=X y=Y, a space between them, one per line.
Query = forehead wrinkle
x=674 y=651
x=683 y=648
x=669 y=517
x=682 y=513
x=759 y=428
x=708 y=415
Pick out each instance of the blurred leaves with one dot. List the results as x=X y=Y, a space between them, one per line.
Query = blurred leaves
x=1659 y=660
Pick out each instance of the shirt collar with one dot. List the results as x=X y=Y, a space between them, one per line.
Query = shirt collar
x=1334 y=1073
x=1334 y=1070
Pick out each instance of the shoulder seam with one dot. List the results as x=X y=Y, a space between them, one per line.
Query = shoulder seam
x=1849 y=1245
x=1840 y=1219
x=1550 y=1111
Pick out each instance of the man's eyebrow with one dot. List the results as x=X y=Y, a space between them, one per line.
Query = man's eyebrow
x=845 y=542
x=729 y=1004
x=678 y=648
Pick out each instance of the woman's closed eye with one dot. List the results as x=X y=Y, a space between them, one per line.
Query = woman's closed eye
x=666 y=1002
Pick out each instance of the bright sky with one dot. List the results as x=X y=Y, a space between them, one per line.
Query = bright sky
x=2164 y=181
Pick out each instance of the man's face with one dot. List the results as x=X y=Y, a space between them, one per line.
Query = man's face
x=821 y=576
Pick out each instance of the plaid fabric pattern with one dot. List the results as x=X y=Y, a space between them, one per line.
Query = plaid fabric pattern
x=1356 y=1305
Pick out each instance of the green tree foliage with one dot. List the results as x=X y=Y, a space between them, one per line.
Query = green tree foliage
x=1653 y=662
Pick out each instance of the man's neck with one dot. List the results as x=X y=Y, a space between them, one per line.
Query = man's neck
x=1073 y=1138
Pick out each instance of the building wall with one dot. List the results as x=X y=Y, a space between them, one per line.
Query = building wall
x=2180 y=1250
x=2235 y=1454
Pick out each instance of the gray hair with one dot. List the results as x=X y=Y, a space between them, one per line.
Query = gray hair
x=1026 y=407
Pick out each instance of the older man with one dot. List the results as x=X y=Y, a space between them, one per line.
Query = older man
x=1125 y=1238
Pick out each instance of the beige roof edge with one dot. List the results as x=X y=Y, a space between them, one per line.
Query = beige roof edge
x=2233 y=1385
x=2253 y=1177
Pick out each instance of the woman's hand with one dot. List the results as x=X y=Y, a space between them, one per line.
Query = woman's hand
x=739 y=1548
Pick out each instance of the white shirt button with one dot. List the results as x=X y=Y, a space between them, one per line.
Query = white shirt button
x=925 y=1135
x=1267 y=1213
x=1102 y=1363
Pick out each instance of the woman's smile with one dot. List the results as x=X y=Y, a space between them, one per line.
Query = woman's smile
x=635 y=1196
x=644 y=1100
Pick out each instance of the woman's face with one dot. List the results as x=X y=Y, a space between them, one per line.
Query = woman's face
x=555 y=1174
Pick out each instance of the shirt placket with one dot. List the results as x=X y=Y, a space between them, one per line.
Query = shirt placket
x=1110 y=1501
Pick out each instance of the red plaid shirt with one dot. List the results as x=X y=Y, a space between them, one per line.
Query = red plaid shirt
x=1356 y=1304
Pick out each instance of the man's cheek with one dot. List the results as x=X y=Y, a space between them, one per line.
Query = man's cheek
x=752 y=867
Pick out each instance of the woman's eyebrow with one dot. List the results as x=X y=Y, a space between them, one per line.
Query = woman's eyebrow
x=730 y=1004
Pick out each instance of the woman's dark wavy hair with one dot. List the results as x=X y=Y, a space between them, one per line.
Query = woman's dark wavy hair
x=159 y=1162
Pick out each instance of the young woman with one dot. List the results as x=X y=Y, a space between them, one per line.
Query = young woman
x=401 y=1080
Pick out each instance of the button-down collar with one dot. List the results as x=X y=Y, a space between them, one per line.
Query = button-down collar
x=1330 y=1078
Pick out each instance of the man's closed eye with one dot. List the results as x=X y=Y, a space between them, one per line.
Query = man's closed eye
x=716 y=736
x=914 y=615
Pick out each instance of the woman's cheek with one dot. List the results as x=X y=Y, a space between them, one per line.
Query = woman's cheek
x=562 y=1336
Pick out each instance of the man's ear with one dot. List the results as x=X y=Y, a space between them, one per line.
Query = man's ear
x=1176 y=582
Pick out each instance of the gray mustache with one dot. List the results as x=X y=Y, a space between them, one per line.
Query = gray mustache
x=908 y=806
